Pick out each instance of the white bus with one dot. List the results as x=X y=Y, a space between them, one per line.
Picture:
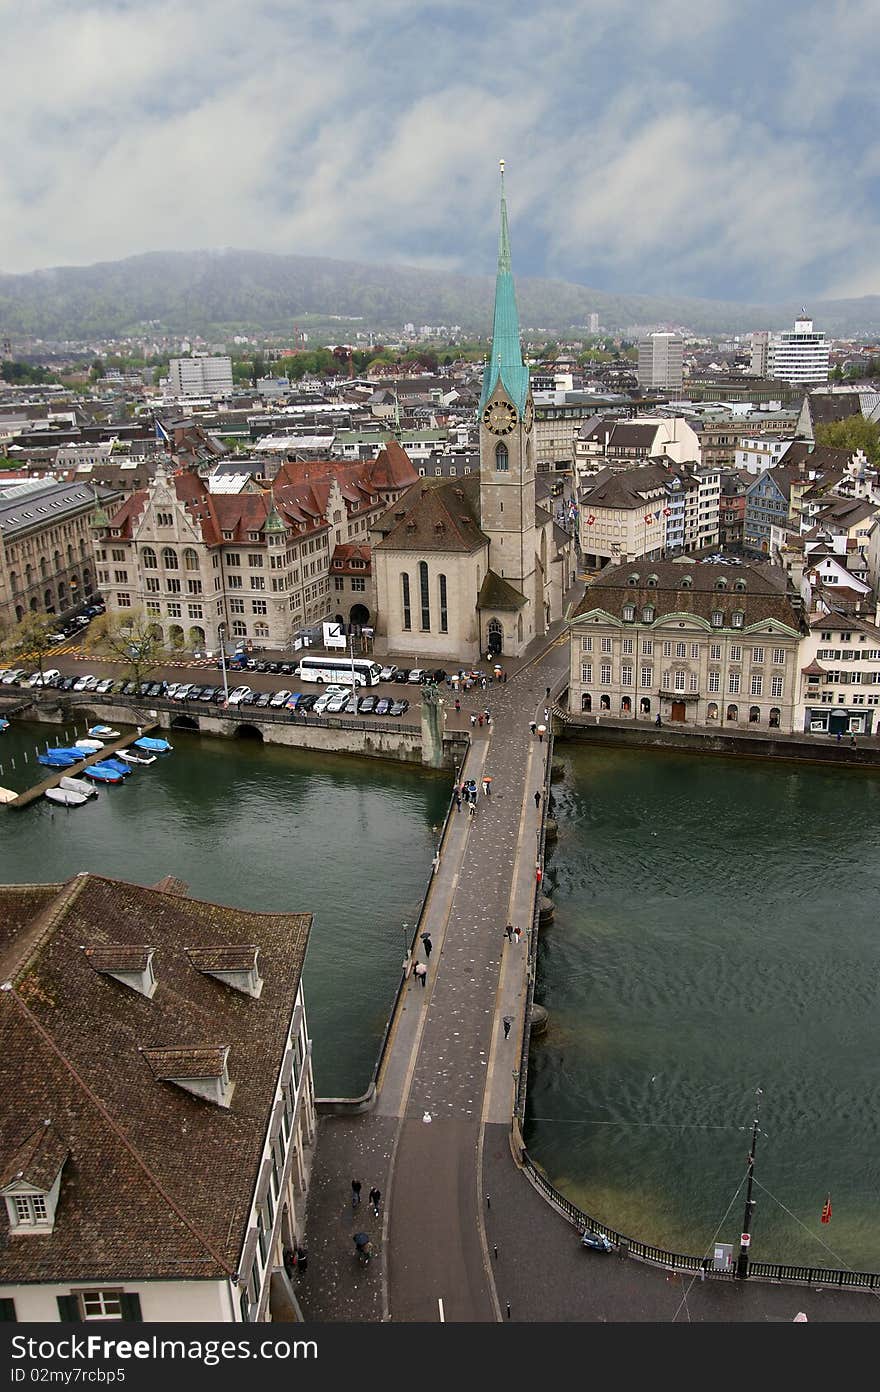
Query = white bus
x=339 y=670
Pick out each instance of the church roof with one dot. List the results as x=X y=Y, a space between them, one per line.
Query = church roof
x=505 y=363
x=497 y=593
x=436 y=514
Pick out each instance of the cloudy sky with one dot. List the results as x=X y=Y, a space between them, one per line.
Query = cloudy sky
x=724 y=148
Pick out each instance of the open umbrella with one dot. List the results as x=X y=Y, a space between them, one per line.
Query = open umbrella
x=542 y=729
x=361 y=1240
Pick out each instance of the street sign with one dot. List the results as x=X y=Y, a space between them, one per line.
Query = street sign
x=745 y=1239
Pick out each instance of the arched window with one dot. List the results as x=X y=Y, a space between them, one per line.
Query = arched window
x=13 y=580
x=148 y=558
x=648 y=614
x=775 y=716
x=407 y=611
x=754 y=715
x=712 y=710
x=519 y=628
x=626 y=705
x=605 y=703
x=424 y=596
x=732 y=714
x=169 y=558
x=586 y=701
x=28 y=575
x=502 y=460
x=43 y=567
x=69 y=554
x=190 y=559
x=645 y=706
x=444 y=616
x=47 y=600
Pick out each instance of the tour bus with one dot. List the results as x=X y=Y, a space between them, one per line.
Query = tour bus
x=339 y=670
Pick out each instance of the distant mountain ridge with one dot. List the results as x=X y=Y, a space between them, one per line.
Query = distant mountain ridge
x=215 y=292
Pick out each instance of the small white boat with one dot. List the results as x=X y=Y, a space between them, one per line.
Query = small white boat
x=103 y=732
x=78 y=785
x=7 y=795
x=91 y=746
x=130 y=758
x=65 y=797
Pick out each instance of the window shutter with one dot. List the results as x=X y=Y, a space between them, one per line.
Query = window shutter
x=68 y=1309
x=7 y=1311
x=131 y=1308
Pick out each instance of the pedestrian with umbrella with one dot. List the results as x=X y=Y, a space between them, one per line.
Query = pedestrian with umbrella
x=363 y=1247
x=427 y=944
x=542 y=730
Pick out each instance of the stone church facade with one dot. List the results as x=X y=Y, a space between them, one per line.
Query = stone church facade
x=466 y=567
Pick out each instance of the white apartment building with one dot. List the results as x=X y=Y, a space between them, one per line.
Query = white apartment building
x=839 y=676
x=799 y=355
x=661 y=362
x=200 y=376
x=659 y=508
x=759 y=452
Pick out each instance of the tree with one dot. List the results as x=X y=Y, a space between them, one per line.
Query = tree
x=96 y=371
x=130 y=636
x=854 y=433
x=29 y=638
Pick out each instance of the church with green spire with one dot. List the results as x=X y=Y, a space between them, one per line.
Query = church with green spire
x=473 y=566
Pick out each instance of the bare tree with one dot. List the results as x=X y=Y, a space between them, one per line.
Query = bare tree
x=131 y=636
x=29 y=639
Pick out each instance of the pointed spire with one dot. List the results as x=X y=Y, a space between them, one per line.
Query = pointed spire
x=505 y=361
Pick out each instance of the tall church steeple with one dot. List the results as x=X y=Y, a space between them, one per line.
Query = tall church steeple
x=505 y=362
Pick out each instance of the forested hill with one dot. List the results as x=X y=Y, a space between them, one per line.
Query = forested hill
x=212 y=292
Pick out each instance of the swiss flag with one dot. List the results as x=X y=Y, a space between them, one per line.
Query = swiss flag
x=826 y=1210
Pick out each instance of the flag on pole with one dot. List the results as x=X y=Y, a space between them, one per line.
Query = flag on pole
x=826 y=1210
x=647 y=516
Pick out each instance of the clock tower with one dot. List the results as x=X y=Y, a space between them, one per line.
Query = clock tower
x=507 y=449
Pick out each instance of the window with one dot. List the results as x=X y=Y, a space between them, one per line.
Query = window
x=148 y=558
x=667 y=649
x=194 y=587
x=757 y=684
x=358 y=584
x=234 y=582
x=255 y=561
x=258 y=606
x=693 y=681
x=605 y=673
x=648 y=614
x=338 y=582
x=502 y=462
x=233 y=558
x=714 y=652
x=444 y=615
x=194 y=611
x=30 y=1210
x=239 y=629
x=607 y=645
x=626 y=647
x=678 y=680
x=733 y=683
x=169 y=558
x=714 y=681
x=647 y=647
x=172 y=586
x=647 y=676
x=254 y=536
x=717 y=618
x=174 y=611
x=258 y=582
x=164 y=519
x=737 y=618
x=100 y=1304
x=236 y=606
x=776 y=686
x=123 y=601
x=629 y=612
x=424 y=596
x=681 y=650
x=735 y=652
x=587 y=673
x=586 y=645
x=626 y=676
x=407 y=613
x=152 y=584
x=120 y=577
x=778 y=657
x=190 y=559
x=757 y=655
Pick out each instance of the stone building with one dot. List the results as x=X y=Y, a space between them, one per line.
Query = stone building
x=46 y=561
x=468 y=566
x=158 y=1119
x=255 y=565
x=698 y=644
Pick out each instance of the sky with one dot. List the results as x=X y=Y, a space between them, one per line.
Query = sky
x=718 y=148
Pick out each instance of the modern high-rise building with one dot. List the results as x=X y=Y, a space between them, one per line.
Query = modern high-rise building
x=200 y=376
x=594 y=323
x=661 y=359
x=800 y=355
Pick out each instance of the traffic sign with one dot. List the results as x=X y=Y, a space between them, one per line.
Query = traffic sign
x=745 y=1239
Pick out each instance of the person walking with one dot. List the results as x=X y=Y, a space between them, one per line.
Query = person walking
x=506 y=1022
x=509 y=932
x=547 y=693
x=658 y=722
x=487 y=787
x=472 y=808
x=427 y=944
x=473 y=720
x=420 y=972
x=355 y=1192
x=533 y=725
x=487 y=717
x=457 y=796
x=457 y=706
x=517 y=933
x=375 y=1197
x=546 y=713
x=538 y=798
x=541 y=734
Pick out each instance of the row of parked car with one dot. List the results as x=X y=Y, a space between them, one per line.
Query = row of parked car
x=73 y=627
x=333 y=700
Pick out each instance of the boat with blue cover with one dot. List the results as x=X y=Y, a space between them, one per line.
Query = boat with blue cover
x=4 y=725
x=60 y=758
x=100 y=774
x=153 y=746
x=124 y=769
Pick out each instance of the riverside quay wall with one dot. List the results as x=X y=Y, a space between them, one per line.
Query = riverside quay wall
x=388 y=740
x=798 y=748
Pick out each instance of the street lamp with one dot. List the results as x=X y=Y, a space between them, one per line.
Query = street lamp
x=221 y=629
x=405 y=927
x=742 y=1264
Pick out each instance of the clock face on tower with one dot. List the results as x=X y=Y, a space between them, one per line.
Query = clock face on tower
x=499 y=417
x=529 y=415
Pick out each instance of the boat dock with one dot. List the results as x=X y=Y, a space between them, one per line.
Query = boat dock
x=75 y=770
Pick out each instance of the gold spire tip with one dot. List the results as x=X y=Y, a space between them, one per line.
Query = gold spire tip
x=501 y=165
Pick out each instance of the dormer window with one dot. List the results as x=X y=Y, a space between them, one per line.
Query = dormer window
x=633 y=580
x=739 y=585
x=737 y=618
x=652 y=582
x=629 y=613
x=31 y=1182
x=687 y=582
x=234 y=966
x=132 y=966
x=721 y=584
x=199 y=1070
x=717 y=618
x=648 y=614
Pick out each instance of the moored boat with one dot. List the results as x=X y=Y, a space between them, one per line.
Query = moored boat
x=4 y=725
x=60 y=758
x=90 y=746
x=103 y=732
x=153 y=746
x=99 y=774
x=129 y=758
x=78 y=785
x=124 y=769
x=65 y=797
x=7 y=795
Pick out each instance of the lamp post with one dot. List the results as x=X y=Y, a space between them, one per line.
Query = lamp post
x=405 y=927
x=742 y=1264
x=221 y=630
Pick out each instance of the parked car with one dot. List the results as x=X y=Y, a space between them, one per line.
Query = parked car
x=337 y=703
x=417 y=675
x=156 y=689
x=67 y=683
x=85 y=683
x=237 y=696
x=287 y=669
x=59 y=637
x=366 y=705
x=263 y=700
x=208 y=693
x=251 y=699
x=129 y=689
x=399 y=708
x=183 y=691
x=388 y=674
x=597 y=1242
x=323 y=701
x=293 y=700
x=13 y=677
x=402 y=675
x=307 y=702
x=351 y=706
x=104 y=686
x=194 y=693
x=44 y=678
x=280 y=698
x=383 y=706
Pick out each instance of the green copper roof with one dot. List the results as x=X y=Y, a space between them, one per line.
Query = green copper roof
x=505 y=361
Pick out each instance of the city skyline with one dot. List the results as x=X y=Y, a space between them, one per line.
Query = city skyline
x=713 y=151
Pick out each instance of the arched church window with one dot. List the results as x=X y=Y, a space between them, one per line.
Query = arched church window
x=424 y=596
x=444 y=616
x=407 y=612
x=502 y=459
